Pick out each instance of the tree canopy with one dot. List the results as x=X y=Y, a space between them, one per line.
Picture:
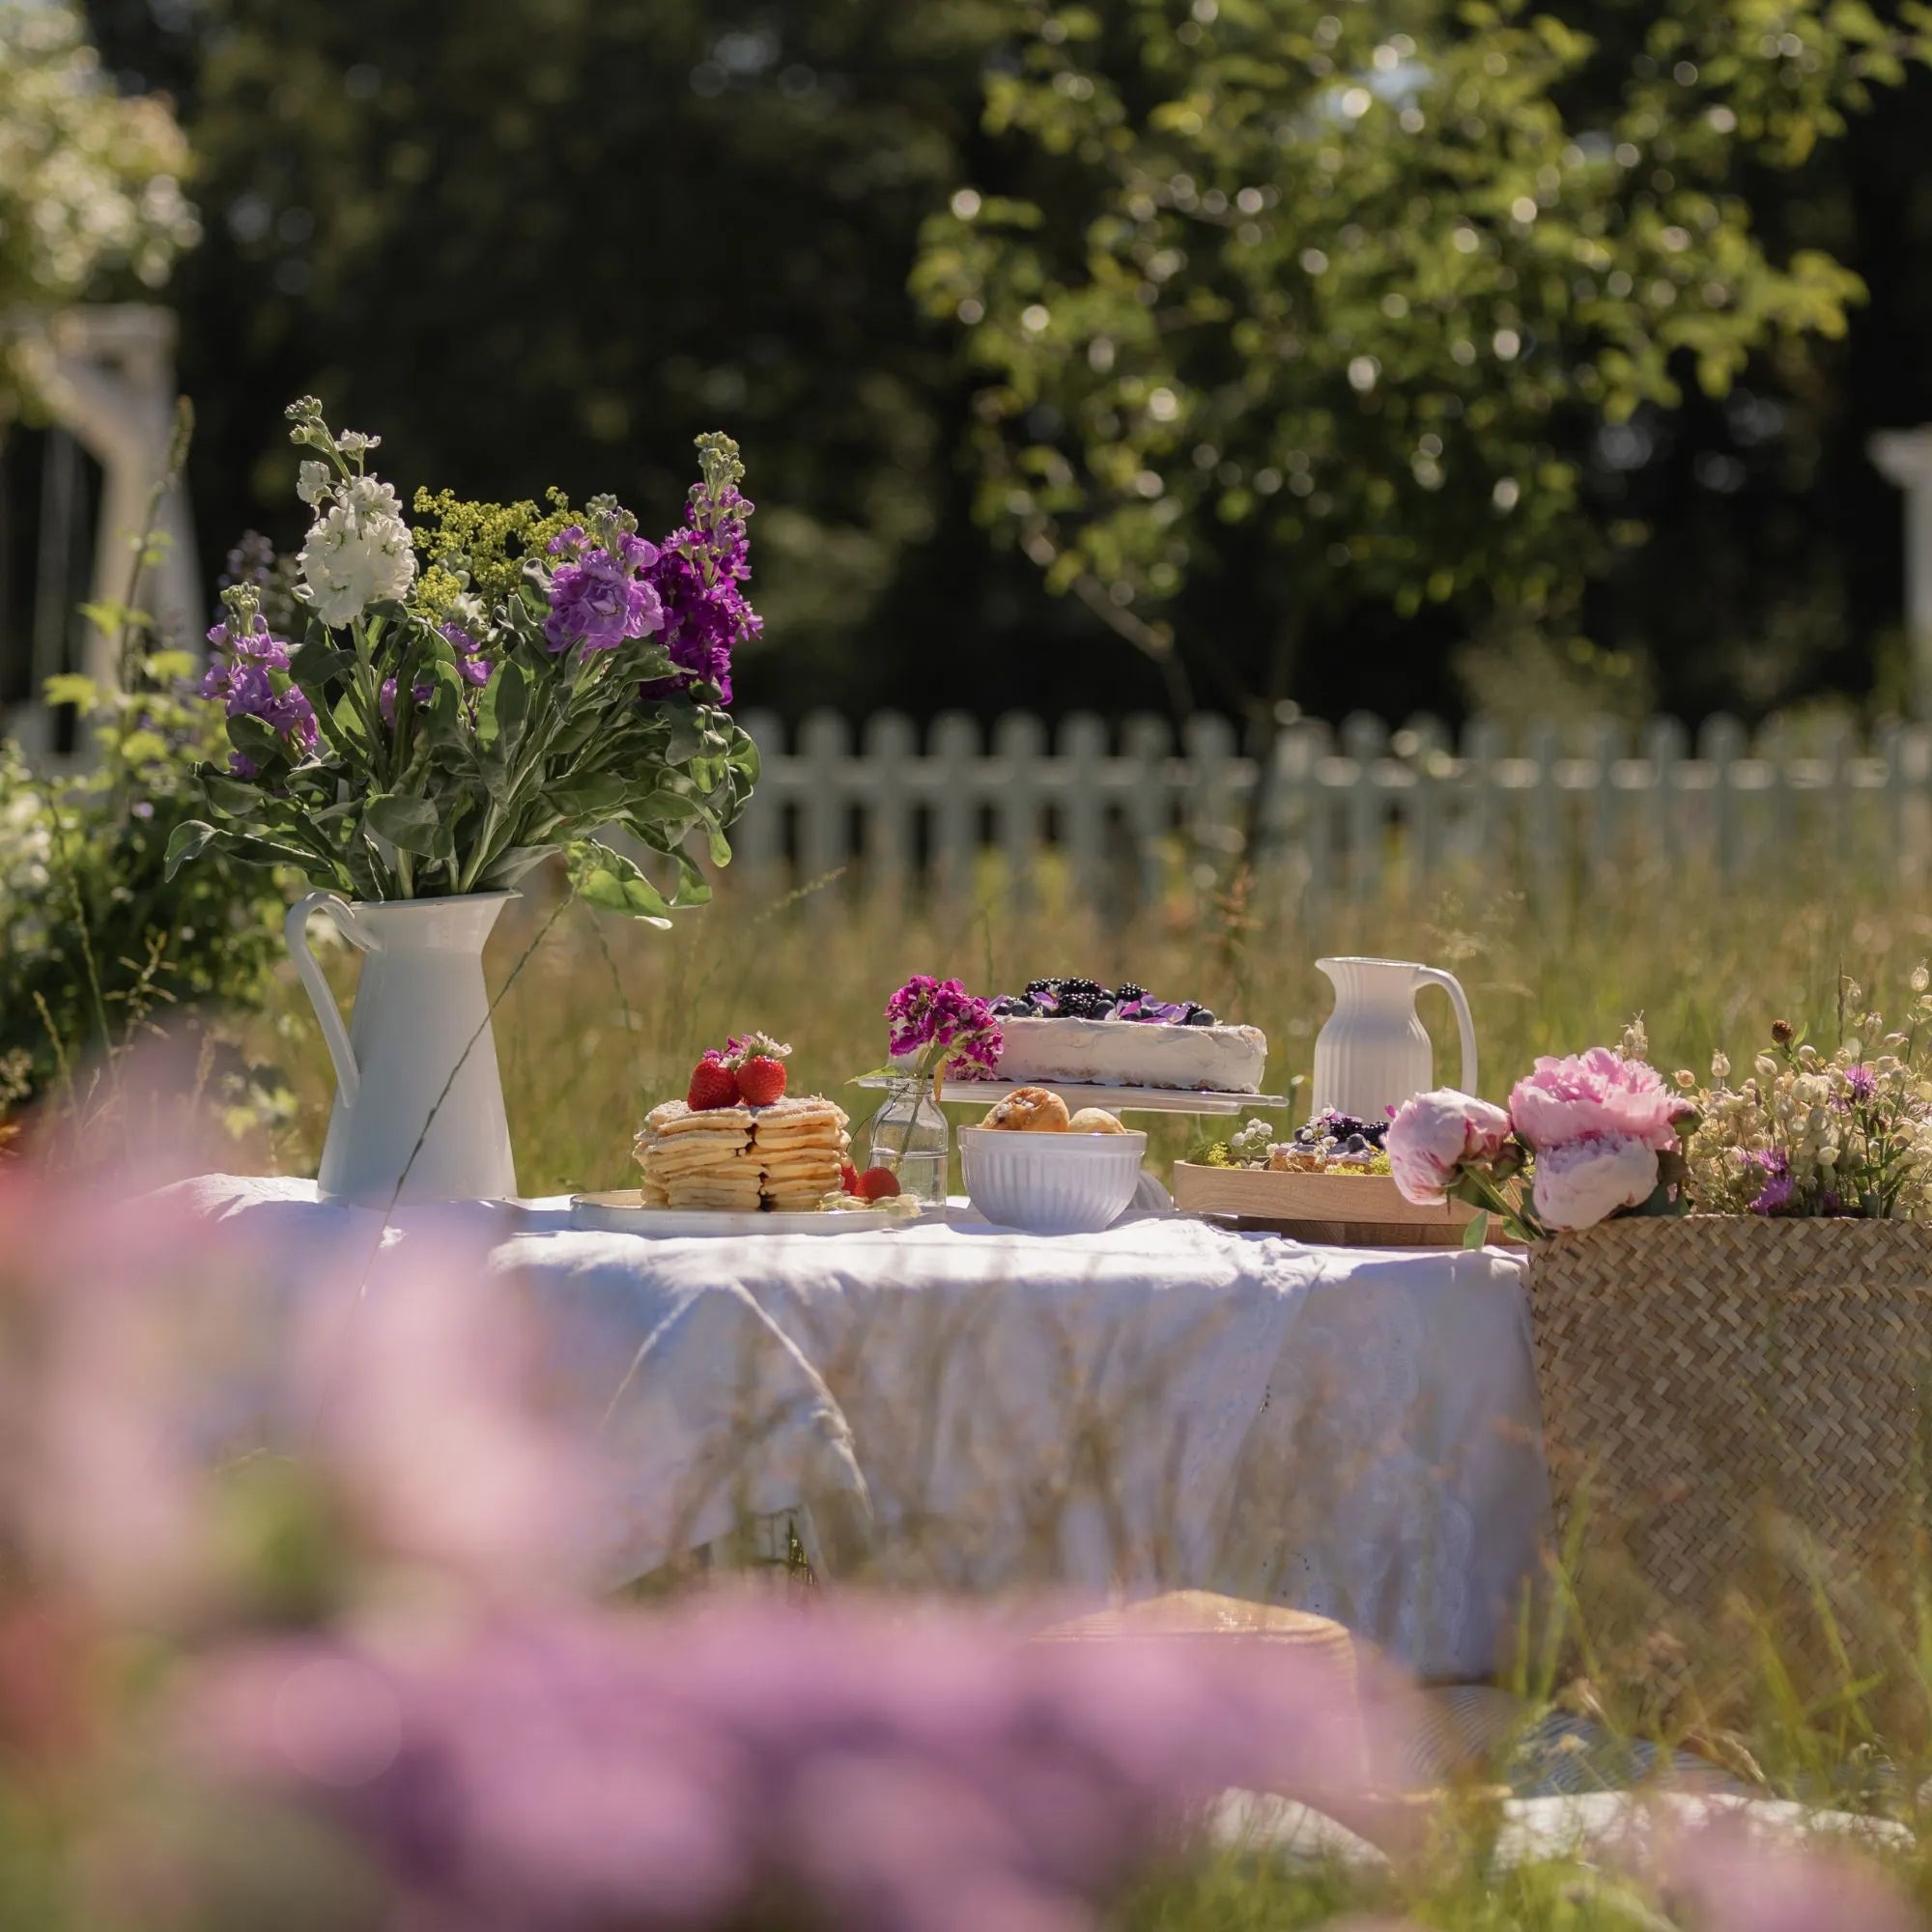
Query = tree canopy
x=1344 y=302
x=1390 y=390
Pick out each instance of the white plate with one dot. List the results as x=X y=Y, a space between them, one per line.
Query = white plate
x=625 y=1213
x=1116 y=1099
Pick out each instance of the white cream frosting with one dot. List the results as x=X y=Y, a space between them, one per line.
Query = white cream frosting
x=1133 y=1053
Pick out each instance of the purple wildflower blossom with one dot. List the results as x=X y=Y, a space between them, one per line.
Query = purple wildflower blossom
x=1860 y=1082
x=598 y=596
x=244 y=684
x=928 y=1013
x=691 y=1770
x=1774 y=1196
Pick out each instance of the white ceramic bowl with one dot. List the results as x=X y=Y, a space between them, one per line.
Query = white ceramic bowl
x=1051 y=1183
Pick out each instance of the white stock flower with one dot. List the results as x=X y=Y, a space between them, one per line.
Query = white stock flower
x=357 y=551
x=313 y=483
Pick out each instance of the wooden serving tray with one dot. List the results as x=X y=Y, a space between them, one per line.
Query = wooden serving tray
x=1364 y=1210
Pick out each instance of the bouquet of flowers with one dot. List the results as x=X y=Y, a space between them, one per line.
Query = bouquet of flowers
x=444 y=722
x=1807 y=1134
x=1584 y=1137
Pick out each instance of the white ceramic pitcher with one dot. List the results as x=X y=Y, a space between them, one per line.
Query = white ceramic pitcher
x=1374 y=1054
x=421 y=1025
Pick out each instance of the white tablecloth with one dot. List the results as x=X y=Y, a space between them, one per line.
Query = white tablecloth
x=1170 y=1403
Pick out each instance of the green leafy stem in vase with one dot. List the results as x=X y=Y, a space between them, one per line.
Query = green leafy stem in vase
x=493 y=687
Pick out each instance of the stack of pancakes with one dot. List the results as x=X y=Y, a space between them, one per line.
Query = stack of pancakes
x=785 y=1156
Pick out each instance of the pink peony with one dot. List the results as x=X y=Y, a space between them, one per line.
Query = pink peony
x=1585 y=1181
x=1593 y=1092
x=1433 y=1135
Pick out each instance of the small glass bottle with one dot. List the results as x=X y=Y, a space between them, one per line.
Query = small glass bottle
x=911 y=1136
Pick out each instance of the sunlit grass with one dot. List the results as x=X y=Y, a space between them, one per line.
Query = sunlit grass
x=608 y=1016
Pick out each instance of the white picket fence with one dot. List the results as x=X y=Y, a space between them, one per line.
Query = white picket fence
x=1341 y=814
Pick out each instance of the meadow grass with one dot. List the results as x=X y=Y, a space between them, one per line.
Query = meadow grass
x=608 y=1016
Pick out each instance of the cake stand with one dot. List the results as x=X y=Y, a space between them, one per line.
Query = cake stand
x=1116 y=1099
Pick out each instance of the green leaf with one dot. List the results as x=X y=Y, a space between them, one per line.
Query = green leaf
x=511 y=865
x=1477 y=1232
x=504 y=709
x=613 y=883
x=410 y=824
x=190 y=839
x=231 y=795
x=71 y=688
x=255 y=740
x=314 y=662
x=593 y=798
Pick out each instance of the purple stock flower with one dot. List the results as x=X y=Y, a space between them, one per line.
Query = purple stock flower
x=245 y=685
x=928 y=1013
x=697 y=573
x=598 y=596
x=471 y=665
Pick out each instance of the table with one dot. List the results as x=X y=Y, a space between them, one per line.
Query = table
x=1170 y=1403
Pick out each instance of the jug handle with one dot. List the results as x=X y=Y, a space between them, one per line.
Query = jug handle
x=294 y=930
x=1432 y=976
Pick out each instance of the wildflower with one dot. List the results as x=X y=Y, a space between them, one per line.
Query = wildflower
x=1685 y=1079
x=1721 y=1066
x=1859 y=1083
x=1922 y=977
x=1774 y=1196
x=1783 y=1032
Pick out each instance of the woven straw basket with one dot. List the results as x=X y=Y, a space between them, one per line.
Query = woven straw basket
x=1705 y=1378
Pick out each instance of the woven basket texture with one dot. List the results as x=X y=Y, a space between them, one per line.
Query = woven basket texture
x=1707 y=1378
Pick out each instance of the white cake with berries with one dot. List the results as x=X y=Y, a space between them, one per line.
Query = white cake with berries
x=1078 y=1033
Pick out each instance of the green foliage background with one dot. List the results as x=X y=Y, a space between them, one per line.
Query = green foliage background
x=547 y=239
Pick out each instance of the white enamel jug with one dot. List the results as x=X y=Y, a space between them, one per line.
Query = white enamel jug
x=417 y=1061
x=1374 y=1054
